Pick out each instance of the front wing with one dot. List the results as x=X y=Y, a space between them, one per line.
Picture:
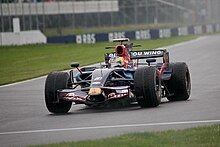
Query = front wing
x=82 y=96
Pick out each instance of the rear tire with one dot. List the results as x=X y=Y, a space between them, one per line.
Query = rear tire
x=147 y=86
x=55 y=81
x=180 y=83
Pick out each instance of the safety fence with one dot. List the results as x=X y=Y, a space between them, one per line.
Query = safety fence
x=64 y=17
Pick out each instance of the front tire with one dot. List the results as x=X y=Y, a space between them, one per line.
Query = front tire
x=55 y=81
x=147 y=86
x=179 y=84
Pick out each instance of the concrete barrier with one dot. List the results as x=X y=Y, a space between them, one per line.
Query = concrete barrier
x=22 y=38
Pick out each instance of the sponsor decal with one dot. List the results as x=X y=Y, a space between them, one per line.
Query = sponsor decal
x=140 y=54
x=146 y=53
x=98 y=79
x=85 y=38
x=142 y=35
x=114 y=35
x=70 y=94
x=96 y=83
x=112 y=55
x=122 y=91
x=165 y=33
x=113 y=95
x=73 y=97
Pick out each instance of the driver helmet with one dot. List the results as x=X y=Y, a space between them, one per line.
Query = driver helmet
x=119 y=60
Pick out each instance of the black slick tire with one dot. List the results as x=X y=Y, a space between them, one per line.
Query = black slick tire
x=147 y=86
x=179 y=84
x=54 y=82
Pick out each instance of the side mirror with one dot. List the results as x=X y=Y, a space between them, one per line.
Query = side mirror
x=75 y=64
x=150 y=60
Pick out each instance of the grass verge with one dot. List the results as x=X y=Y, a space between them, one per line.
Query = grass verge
x=71 y=31
x=206 y=136
x=19 y=63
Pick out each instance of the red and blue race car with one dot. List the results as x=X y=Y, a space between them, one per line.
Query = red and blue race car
x=123 y=77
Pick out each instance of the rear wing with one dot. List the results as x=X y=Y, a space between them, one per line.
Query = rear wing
x=143 y=54
x=146 y=54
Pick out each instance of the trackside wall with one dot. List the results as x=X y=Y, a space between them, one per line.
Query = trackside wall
x=136 y=35
x=22 y=38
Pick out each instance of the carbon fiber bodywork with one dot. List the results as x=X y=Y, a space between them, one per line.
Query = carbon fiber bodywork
x=123 y=76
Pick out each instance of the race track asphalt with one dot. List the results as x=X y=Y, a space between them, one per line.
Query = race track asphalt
x=24 y=119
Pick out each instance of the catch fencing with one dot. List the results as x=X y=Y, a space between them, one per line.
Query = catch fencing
x=58 y=17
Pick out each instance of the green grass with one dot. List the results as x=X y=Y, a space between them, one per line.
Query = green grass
x=69 y=31
x=206 y=136
x=19 y=63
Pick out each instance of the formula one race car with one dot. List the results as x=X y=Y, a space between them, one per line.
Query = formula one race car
x=123 y=76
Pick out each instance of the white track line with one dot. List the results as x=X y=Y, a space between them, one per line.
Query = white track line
x=107 y=127
x=175 y=45
x=12 y=84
